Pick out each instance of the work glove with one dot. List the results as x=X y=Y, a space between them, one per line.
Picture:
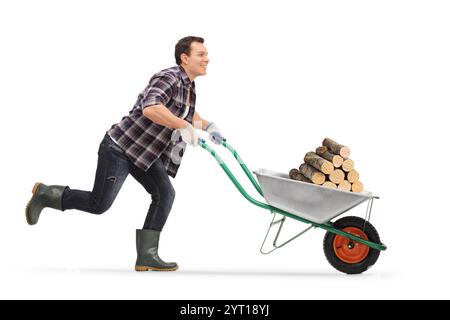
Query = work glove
x=215 y=135
x=189 y=135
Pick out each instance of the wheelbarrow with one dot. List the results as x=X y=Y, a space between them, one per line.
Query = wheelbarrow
x=351 y=244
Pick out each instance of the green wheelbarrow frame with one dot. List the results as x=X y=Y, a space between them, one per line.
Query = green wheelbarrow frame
x=326 y=226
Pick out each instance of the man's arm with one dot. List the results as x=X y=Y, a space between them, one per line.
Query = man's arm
x=197 y=119
x=162 y=116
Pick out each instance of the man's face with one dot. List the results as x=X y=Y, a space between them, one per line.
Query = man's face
x=198 y=61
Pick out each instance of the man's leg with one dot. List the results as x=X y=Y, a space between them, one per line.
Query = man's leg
x=157 y=183
x=112 y=169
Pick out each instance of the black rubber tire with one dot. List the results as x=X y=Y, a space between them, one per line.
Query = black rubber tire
x=345 y=267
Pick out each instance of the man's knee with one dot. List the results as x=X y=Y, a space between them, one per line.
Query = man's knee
x=165 y=196
x=101 y=207
x=168 y=195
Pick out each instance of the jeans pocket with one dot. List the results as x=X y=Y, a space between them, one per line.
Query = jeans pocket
x=116 y=149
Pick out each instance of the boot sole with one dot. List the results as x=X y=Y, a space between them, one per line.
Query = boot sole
x=146 y=268
x=27 y=208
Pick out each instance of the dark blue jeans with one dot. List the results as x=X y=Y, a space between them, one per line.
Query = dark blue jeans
x=113 y=167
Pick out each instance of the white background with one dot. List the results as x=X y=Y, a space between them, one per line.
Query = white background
x=373 y=75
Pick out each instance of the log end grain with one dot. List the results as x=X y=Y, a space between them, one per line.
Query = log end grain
x=344 y=152
x=357 y=187
x=352 y=176
x=348 y=165
x=327 y=167
x=329 y=184
x=337 y=161
x=337 y=176
x=345 y=185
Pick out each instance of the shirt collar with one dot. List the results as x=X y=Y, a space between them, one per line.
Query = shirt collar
x=184 y=77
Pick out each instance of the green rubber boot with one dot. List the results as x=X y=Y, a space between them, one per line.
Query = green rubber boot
x=43 y=197
x=147 y=242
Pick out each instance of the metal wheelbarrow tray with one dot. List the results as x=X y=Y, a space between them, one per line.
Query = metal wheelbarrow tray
x=351 y=244
x=306 y=200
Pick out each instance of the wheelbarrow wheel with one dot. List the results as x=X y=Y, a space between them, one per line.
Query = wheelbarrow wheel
x=349 y=256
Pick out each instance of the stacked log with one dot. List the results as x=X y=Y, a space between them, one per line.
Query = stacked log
x=318 y=162
x=329 y=166
x=352 y=176
x=357 y=187
x=296 y=175
x=312 y=173
x=336 y=148
x=329 y=184
x=337 y=176
x=337 y=160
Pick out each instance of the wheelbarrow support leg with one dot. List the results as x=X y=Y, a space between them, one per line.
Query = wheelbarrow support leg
x=274 y=244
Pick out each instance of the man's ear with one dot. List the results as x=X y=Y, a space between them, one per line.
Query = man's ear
x=184 y=57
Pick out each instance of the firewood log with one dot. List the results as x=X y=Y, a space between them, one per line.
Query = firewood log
x=334 y=158
x=357 y=187
x=321 y=150
x=337 y=176
x=312 y=173
x=345 y=185
x=302 y=178
x=352 y=176
x=293 y=172
x=329 y=184
x=347 y=165
x=318 y=162
x=336 y=148
x=296 y=175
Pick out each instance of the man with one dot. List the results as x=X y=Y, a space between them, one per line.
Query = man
x=143 y=144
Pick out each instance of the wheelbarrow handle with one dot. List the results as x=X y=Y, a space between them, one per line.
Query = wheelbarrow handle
x=243 y=166
x=201 y=140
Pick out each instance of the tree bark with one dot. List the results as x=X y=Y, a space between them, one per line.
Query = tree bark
x=334 y=158
x=292 y=173
x=336 y=148
x=312 y=173
x=318 y=162
x=296 y=175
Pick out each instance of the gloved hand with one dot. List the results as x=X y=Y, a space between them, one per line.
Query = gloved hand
x=215 y=135
x=189 y=135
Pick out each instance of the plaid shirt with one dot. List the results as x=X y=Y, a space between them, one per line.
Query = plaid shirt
x=143 y=140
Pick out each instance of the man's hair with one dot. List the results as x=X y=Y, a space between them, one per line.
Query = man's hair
x=184 y=46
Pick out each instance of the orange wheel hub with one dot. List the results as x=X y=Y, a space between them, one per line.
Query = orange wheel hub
x=348 y=250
